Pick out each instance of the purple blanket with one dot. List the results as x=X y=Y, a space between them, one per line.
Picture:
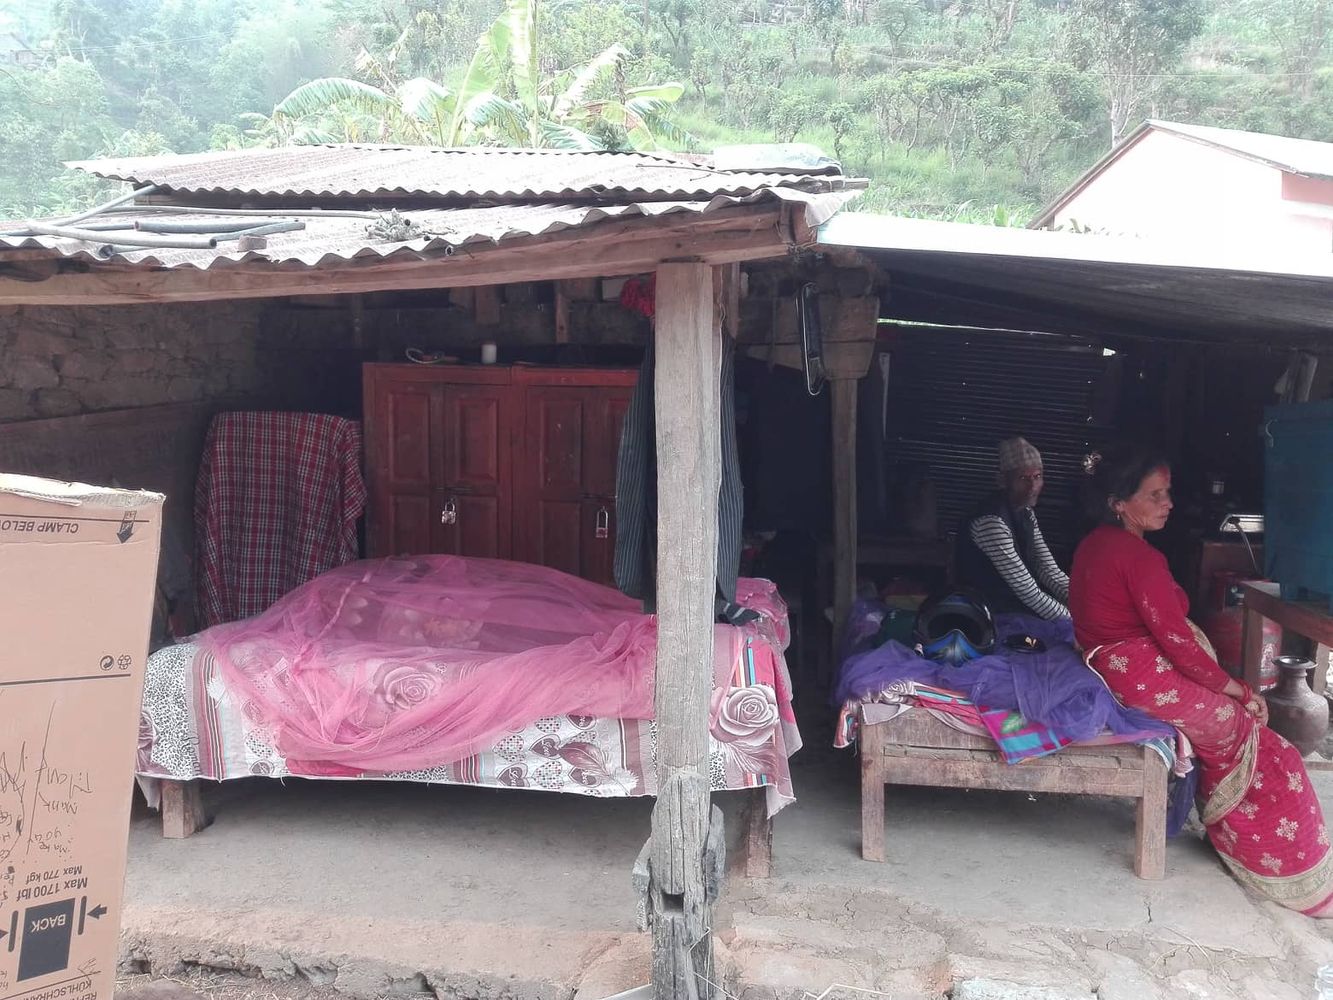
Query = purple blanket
x=1054 y=688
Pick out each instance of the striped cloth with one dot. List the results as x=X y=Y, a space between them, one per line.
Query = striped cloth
x=636 y=493
x=276 y=504
x=1018 y=739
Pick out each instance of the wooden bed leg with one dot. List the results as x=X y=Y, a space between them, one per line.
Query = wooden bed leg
x=182 y=809
x=871 y=747
x=1150 y=821
x=756 y=835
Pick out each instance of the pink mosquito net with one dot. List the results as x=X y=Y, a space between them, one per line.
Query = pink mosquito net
x=407 y=664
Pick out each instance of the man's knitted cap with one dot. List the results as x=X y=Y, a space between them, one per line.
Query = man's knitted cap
x=1017 y=454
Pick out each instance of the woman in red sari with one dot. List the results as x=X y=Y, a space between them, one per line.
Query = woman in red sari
x=1258 y=805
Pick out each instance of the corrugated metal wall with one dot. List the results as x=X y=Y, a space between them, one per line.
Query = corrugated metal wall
x=954 y=396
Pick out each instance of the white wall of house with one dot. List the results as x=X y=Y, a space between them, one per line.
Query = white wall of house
x=1168 y=186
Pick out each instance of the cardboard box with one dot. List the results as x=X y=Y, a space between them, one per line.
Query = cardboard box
x=78 y=566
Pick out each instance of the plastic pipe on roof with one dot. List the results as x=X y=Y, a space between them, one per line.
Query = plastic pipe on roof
x=130 y=239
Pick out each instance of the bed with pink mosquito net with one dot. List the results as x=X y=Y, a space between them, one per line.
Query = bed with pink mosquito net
x=449 y=670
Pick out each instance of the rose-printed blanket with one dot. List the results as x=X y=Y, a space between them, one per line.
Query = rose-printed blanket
x=193 y=726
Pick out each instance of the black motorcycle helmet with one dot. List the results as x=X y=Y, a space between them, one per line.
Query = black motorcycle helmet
x=954 y=626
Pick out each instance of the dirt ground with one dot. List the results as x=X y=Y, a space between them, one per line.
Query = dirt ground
x=200 y=984
x=365 y=890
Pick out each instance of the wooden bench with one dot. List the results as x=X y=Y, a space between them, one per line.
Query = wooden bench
x=915 y=748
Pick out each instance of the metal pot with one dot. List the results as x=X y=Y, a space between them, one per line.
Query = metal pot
x=1295 y=711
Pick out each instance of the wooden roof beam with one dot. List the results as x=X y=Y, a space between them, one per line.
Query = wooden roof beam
x=619 y=246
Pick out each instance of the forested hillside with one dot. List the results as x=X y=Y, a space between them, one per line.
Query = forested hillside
x=958 y=109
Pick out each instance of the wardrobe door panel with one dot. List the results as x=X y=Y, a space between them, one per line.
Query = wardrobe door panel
x=476 y=429
x=550 y=477
x=399 y=464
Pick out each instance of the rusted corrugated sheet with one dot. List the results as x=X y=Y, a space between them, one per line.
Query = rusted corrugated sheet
x=379 y=172
x=331 y=239
x=954 y=396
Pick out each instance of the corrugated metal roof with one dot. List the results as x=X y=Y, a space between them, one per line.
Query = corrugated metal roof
x=329 y=239
x=951 y=398
x=1298 y=156
x=377 y=172
x=1034 y=280
x=872 y=231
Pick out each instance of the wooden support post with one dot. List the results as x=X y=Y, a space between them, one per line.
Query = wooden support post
x=684 y=857
x=870 y=745
x=729 y=299
x=844 y=502
x=487 y=305
x=757 y=839
x=356 y=306
x=182 y=809
x=561 y=313
x=1304 y=381
x=569 y=290
x=464 y=298
x=1150 y=820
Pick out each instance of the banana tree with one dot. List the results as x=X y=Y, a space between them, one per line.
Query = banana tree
x=339 y=109
x=503 y=100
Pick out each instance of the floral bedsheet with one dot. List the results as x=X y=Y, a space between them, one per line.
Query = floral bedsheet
x=191 y=727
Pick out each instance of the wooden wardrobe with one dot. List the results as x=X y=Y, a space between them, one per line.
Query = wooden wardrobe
x=495 y=461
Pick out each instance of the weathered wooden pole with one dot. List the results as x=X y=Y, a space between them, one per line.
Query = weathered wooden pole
x=680 y=870
x=844 y=393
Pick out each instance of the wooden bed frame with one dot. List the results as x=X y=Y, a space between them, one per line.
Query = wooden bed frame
x=915 y=748
x=183 y=815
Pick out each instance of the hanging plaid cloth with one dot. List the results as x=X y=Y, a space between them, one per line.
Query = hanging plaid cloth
x=276 y=504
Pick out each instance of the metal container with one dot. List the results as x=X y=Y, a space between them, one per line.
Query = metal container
x=1294 y=710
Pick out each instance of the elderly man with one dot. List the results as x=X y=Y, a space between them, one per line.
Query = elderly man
x=1001 y=552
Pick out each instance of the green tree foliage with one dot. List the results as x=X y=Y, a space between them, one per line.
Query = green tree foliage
x=1131 y=44
x=956 y=109
x=505 y=98
x=1301 y=31
x=828 y=19
x=46 y=115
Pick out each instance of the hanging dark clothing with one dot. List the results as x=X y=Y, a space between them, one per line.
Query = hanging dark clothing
x=785 y=429
x=636 y=492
